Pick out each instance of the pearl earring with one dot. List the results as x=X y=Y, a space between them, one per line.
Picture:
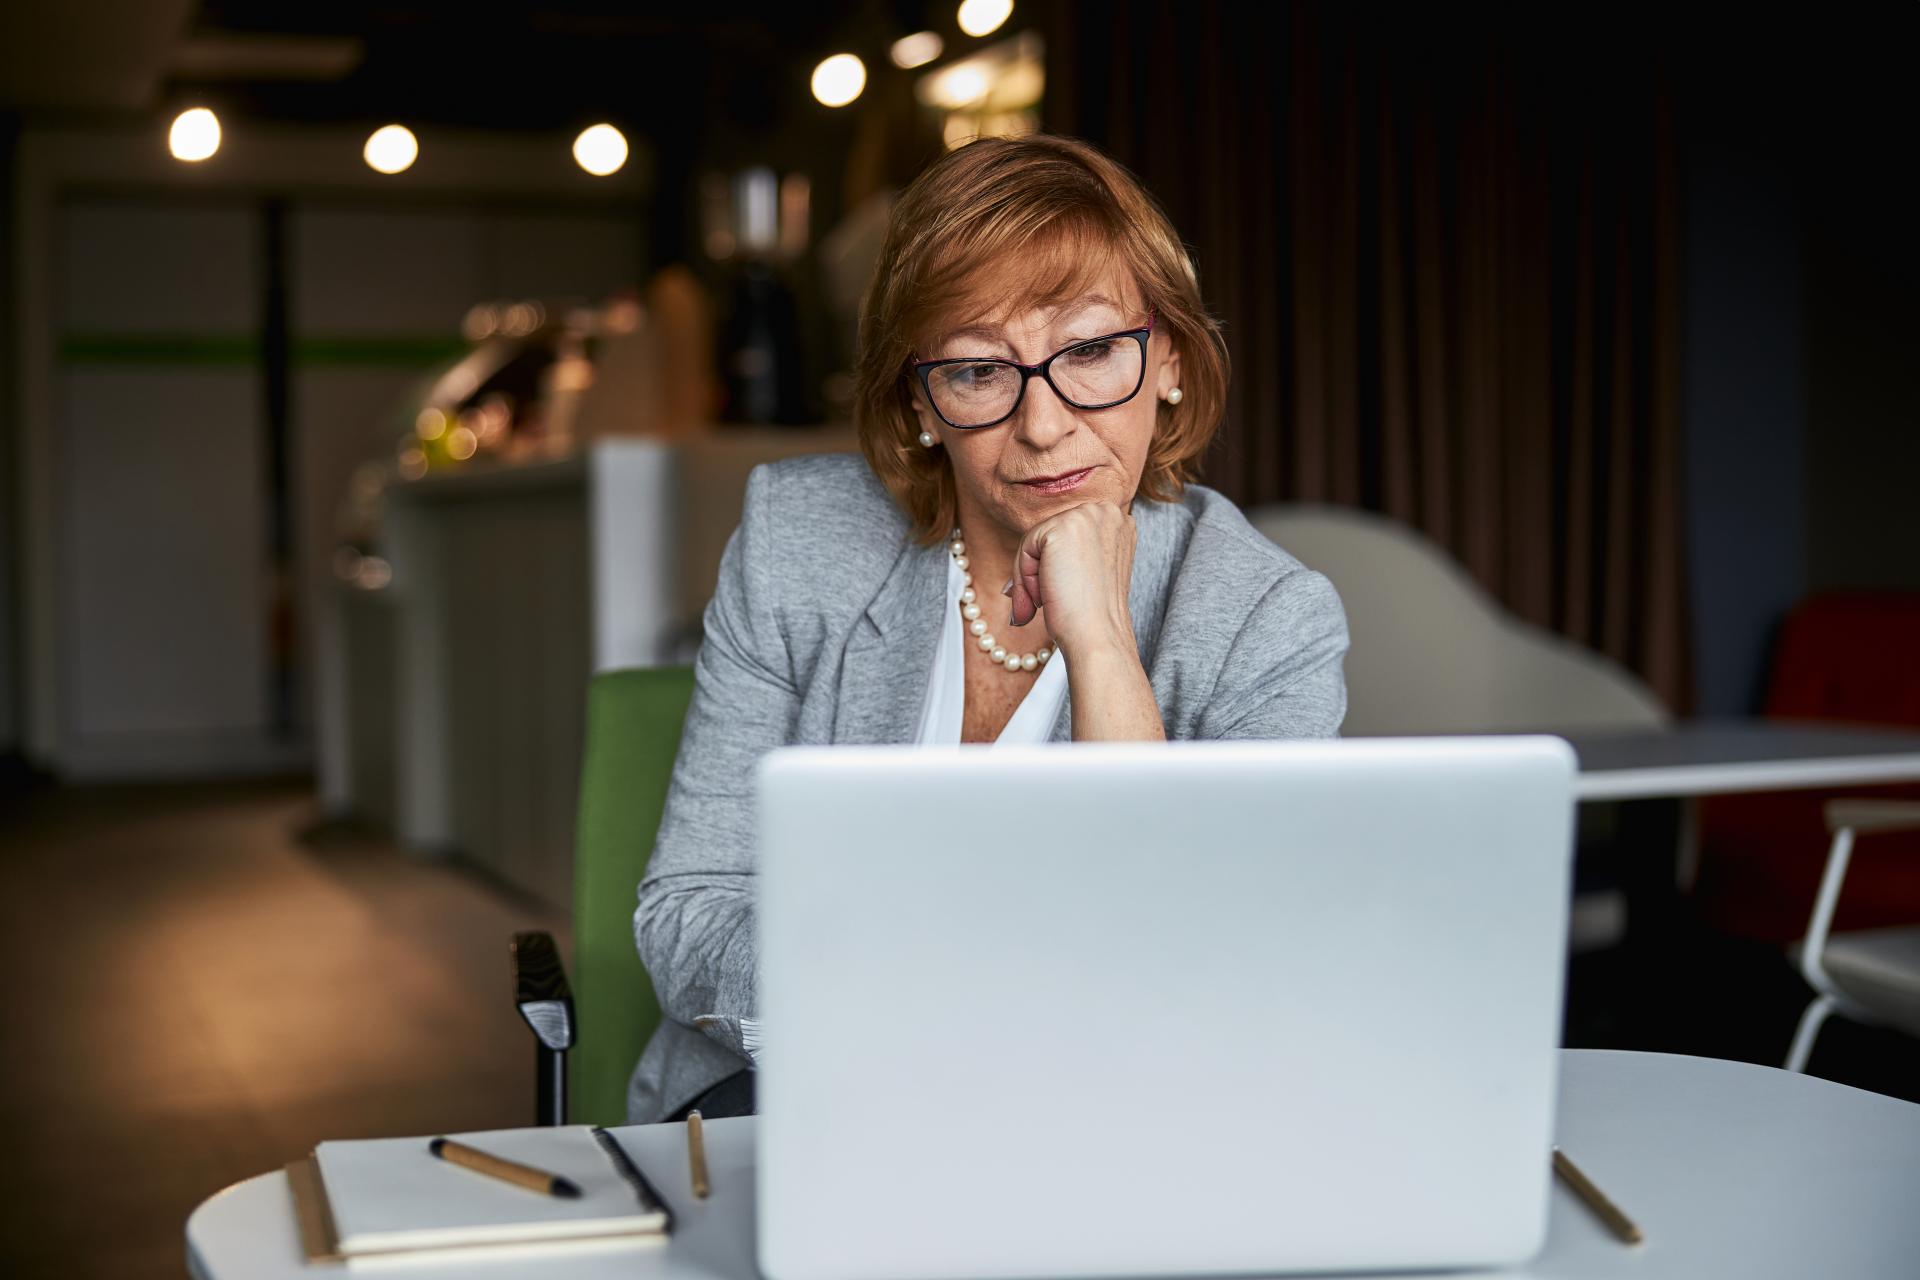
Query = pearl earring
x=926 y=439
x=1175 y=396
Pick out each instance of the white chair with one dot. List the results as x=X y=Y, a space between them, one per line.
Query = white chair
x=1432 y=653
x=1869 y=975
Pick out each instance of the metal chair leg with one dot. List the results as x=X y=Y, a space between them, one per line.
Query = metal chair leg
x=1809 y=1030
x=550 y=1086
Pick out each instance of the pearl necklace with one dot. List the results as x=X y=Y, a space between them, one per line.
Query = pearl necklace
x=970 y=610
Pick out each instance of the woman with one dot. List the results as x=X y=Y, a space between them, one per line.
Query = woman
x=1016 y=558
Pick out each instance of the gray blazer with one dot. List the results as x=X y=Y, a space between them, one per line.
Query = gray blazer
x=823 y=629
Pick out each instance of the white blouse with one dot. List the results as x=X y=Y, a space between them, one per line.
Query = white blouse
x=940 y=715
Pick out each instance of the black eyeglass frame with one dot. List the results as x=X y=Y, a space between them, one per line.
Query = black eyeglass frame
x=1028 y=372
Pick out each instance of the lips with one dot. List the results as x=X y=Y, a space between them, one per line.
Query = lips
x=1058 y=483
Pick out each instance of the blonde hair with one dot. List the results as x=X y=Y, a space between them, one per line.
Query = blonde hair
x=1011 y=224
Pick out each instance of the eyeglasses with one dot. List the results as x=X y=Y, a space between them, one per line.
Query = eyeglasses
x=971 y=393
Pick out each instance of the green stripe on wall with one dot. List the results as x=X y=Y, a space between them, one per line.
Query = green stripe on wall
x=388 y=351
x=230 y=349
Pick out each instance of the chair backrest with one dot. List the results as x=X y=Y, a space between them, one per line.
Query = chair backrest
x=1839 y=656
x=633 y=734
x=1849 y=656
x=1432 y=653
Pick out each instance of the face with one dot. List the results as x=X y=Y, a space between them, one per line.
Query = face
x=1092 y=455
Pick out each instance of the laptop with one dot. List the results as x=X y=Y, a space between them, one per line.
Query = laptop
x=1159 y=1009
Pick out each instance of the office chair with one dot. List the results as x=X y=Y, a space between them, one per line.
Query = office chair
x=1869 y=975
x=1847 y=657
x=1840 y=656
x=589 y=1034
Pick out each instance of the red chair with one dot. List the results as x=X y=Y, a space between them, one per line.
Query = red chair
x=1848 y=657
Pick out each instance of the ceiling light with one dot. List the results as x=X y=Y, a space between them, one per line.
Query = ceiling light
x=983 y=17
x=195 y=134
x=916 y=50
x=839 y=80
x=600 y=150
x=957 y=86
x=392 y=149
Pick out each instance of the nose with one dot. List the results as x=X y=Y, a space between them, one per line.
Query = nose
x=1043 y=419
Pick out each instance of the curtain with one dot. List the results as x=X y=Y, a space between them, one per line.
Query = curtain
x=1445 y=255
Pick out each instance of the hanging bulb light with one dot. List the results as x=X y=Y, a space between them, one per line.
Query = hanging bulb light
x=838 y=80
x=983 y=17
x=392 y=149
x=195 y=134
x=600 y=149
x=916 y=50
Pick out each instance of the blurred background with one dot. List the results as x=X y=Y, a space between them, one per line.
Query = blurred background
x=376 y=371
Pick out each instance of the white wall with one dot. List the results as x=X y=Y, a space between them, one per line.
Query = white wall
x=142 y=485
x=159 y=484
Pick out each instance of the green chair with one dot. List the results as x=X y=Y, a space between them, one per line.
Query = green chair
x=633 y=734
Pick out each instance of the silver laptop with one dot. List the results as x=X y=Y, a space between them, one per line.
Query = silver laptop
x=1200 y=1008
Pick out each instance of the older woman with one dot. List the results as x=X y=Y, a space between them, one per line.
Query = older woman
x=1017 y=557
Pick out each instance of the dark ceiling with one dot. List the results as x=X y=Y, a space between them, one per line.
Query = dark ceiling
x=714 y=67
x=546 y=66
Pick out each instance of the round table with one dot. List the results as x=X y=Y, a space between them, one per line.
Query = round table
x=1730 y=1170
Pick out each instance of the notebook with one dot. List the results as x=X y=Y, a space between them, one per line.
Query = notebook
x=390 y=1199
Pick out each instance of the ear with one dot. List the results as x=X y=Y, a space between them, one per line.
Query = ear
x=1169 y=376
x=923 y=412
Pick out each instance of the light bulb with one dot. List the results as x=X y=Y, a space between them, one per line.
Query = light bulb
x=195 y=134
x=600 y=149
x=983 y=17
x=960 y=85
x=917 y=49
x=392 y=149
x=839 y=80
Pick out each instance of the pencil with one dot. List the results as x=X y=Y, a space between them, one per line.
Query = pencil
x=520 y=1175
x=1617 y=1222
x=697 y=1156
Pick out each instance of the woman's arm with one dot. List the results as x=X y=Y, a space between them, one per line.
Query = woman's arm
x=1282 y=677
x=1112 y=699
x=695 y=924
x=1078 y=565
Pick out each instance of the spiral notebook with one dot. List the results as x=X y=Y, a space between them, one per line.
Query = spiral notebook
x=387 y=1200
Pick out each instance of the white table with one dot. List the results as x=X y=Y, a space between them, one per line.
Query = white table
x=1716 y=758
x=1707 y=757
x=1730 y=1169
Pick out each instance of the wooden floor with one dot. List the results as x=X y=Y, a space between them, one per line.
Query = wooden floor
x=195 y=996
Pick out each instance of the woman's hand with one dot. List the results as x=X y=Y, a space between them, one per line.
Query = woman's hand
x=1078 y=566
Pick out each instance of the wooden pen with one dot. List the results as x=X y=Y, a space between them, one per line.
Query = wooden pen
x=697 y=1156
x=1608 y=1212
x=520 y=1175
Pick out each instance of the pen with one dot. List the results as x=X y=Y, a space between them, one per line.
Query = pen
x=520 y=1175
x=697 y=1156
x=1617 y=1222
